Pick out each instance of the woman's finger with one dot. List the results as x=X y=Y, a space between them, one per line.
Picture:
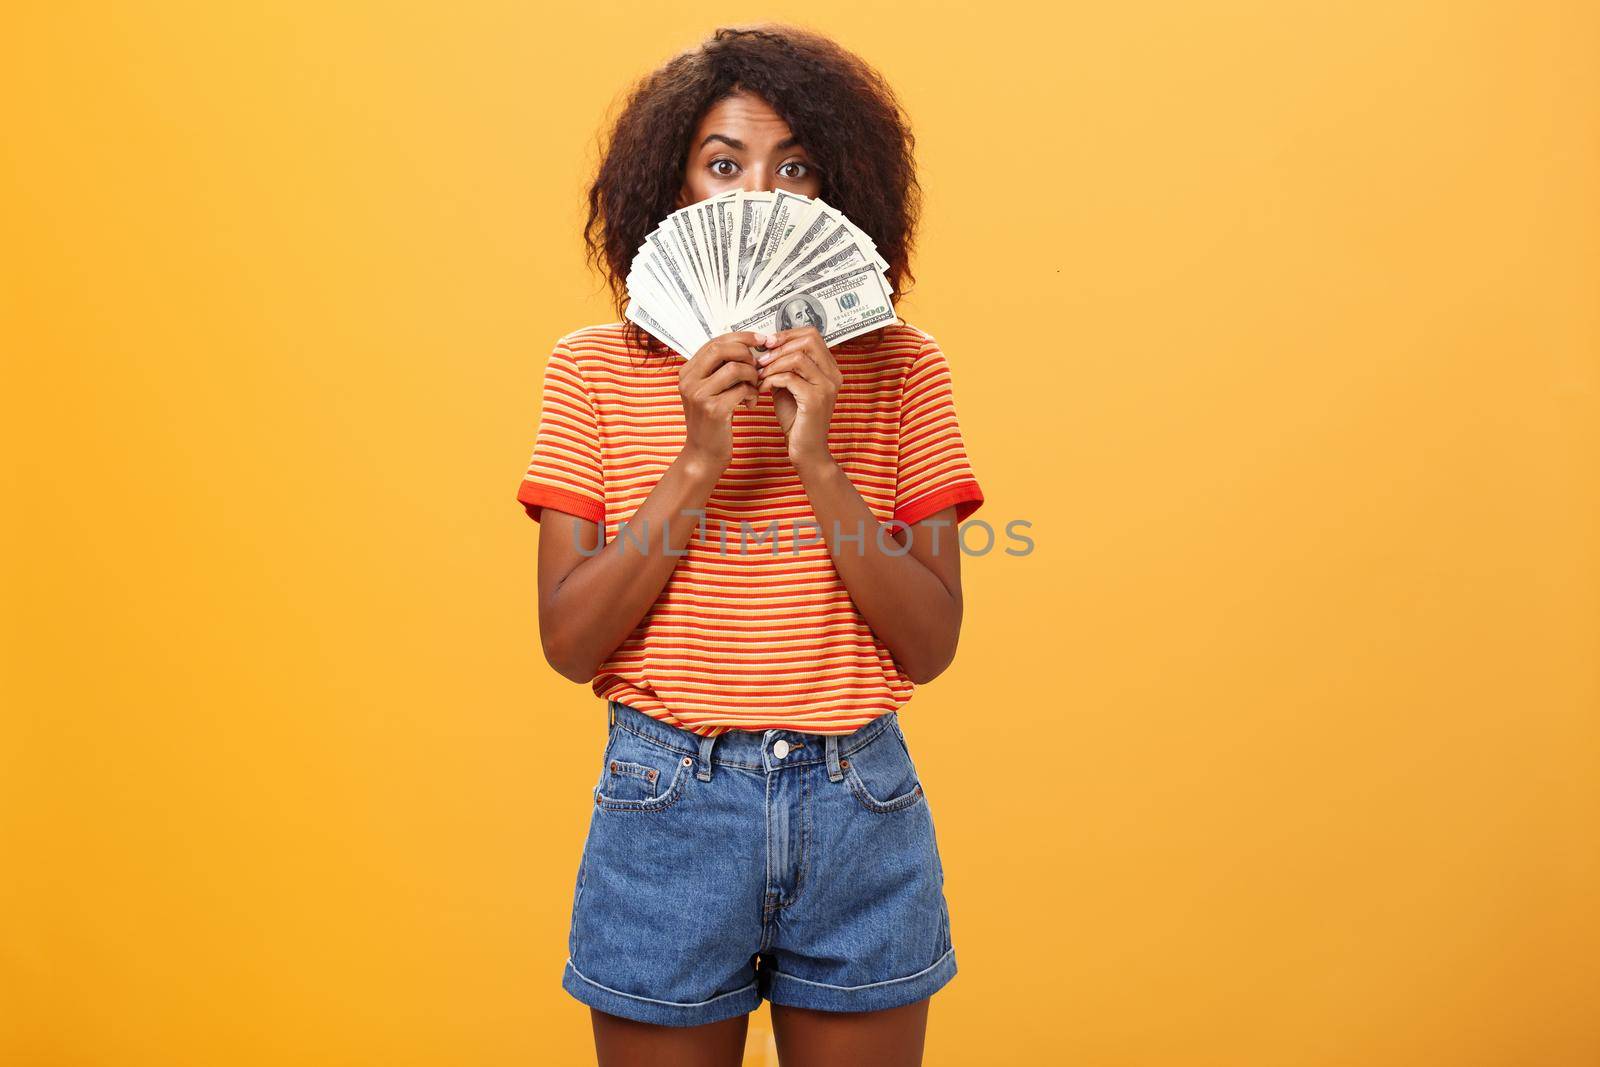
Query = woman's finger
x=800 y=362
x=796 y=332
x=728 y=348
x=792 y=382
x=729 y=373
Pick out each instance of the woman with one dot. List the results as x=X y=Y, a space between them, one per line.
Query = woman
x=786 y=572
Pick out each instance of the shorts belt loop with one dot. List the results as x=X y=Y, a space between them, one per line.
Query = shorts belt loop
x=704 y=773
x=832 y=748
x=611 y=710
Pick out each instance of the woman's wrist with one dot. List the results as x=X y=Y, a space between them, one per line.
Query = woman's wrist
x=814 y=466
x=700 y=469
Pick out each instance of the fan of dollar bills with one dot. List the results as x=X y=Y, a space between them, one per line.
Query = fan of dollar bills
x=757 y=261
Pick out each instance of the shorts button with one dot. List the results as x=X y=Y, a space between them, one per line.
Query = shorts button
x=688 y=762
x=781 y=748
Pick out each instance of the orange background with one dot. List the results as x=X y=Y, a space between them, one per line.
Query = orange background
x=1277 y=322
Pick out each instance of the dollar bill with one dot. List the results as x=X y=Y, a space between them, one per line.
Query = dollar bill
x=805 y=230
x=843 y=257
x=840 y=307
x=780 y=220
x=827 y=239
x=753 y=209
x=764 y=261
x=669 y=275
x=865 y=241
x=638 y=314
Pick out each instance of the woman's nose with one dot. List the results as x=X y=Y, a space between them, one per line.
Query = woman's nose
x=760 y=180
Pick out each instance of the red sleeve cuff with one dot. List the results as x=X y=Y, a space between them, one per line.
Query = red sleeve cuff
x=534 y=497
x=966 y=496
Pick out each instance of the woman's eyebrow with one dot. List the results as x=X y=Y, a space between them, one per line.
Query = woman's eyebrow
x=740 y=145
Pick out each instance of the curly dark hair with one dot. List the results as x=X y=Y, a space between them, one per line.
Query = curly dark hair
x=840 y=108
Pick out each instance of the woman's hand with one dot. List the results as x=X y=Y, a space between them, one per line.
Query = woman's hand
x=720 y=377
x=805 y=381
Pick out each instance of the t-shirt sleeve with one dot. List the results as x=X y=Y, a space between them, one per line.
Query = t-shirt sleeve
x=565 y=471
x=932 y=470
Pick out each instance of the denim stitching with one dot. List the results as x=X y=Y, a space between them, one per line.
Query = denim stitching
x=768 y=910
x=883 y=807
x=583 y=876
x=805 y=837
x=675 y=791
x=629 y=770
x=902 y=802
x=653 y=1000
x=867 y=985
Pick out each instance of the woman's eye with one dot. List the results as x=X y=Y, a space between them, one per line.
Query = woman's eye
x=724 y=168
x=794 y=171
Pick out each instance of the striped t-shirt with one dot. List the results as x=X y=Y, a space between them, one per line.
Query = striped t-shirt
x=751 y=632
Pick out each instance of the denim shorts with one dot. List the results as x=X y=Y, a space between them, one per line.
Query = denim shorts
x=793 y=866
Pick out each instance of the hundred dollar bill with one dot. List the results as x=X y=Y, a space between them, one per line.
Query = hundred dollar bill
x=674 y=280
x=650 y=292
x=780 y=220
x=831 y=238
x=667 y=319
x=690 y=263
x=706 y=239
x=764 y=260
x=866 y=242
x=700 y=258
x=840 y=307
x=794 y=223
x=724 y=210
x=753 y=208
x=845 y=257
x=637 y=314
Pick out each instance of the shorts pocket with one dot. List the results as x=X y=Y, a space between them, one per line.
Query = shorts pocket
x=639 y=776
x=882 y=775
x=630 y=781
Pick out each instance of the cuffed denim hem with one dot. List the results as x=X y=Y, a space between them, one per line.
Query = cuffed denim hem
x=663 y=1012
x=795 y=992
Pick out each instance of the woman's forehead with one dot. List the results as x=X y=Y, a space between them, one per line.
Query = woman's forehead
x=745 y=118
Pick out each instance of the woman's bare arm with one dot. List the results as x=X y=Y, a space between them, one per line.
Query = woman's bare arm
x=590 y=601
x=591 y=598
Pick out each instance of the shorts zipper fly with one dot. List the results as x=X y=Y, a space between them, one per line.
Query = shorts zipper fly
x=788 y=816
